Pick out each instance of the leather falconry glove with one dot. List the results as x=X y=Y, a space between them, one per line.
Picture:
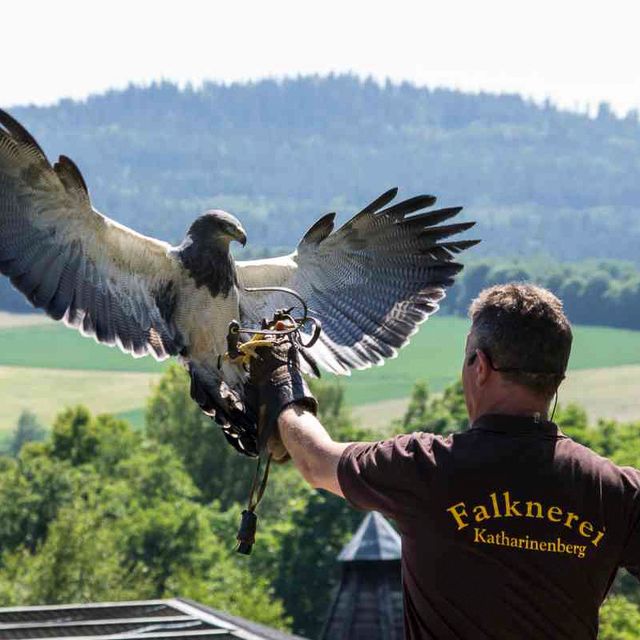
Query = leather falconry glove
x=278 y=382
x=275 y=382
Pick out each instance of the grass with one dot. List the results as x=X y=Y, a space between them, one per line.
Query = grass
x=48 y=391
x=435 y=355
x=609 y=392
x=46 y=366
x=54 y=346
x=22 y=319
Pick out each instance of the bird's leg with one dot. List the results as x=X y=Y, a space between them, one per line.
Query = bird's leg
x=247 y=350
x=233 y=338
x=242 y=352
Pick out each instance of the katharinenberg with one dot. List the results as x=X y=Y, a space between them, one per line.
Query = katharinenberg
x=503 y=506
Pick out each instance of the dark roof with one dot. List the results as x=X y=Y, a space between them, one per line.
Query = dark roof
x=259 y=629
x=375 y=539
x=174 y=619
x=368 y=602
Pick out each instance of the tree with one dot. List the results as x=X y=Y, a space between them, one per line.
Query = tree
x=173 y=418
x=74 y=436
x=318 y=531
x=443 y=414
x=32 y=491
x=573 y=422
x=217 y=578
x=333 y=412
x=415 y=416
x=619 y=619
x=79 y=562
x=28 y=429
x=100 y=512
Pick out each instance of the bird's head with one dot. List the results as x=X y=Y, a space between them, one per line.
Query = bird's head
x=217 y=226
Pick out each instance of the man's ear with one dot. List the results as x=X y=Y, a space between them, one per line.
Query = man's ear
x=483 y=367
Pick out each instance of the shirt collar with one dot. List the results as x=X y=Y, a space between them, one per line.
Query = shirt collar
x=505 y=423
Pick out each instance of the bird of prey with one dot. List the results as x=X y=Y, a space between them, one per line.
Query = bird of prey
x=371 y=283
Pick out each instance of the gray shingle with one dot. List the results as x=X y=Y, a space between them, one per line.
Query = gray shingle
x=175 y=619
x=375 y=539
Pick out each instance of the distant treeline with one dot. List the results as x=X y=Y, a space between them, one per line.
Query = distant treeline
x=598 y=292
x=279 y=154
x=538 y=180
x=594 y=292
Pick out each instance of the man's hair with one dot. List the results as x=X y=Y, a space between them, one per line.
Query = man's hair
x=523 y=328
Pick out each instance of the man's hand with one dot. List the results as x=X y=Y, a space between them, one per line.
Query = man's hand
x=275 y=374
x=288 y=423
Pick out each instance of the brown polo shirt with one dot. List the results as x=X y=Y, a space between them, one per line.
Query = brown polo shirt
x=509 y=529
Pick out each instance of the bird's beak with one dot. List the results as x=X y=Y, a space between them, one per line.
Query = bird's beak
x=242 y=237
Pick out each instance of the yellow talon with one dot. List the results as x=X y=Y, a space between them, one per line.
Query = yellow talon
x=248 y=349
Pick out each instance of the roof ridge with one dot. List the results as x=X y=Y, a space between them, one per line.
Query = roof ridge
x=374 y=540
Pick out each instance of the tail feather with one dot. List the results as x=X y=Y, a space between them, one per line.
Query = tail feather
x=224 y=405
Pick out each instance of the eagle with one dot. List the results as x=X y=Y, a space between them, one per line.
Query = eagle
x=370 y=283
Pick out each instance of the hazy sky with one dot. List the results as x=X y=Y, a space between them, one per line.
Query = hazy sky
x=576 y=53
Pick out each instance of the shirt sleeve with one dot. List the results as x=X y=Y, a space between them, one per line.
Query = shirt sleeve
x=390 y=476
x=631 y=554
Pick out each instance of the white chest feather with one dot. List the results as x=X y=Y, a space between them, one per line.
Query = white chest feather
x=204 y=320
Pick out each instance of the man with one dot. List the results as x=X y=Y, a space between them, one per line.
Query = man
x=509 y=529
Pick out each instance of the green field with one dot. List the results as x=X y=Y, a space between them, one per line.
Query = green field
x=22 y=319
x=47 y=391
x=435 y=355
x=45 y=366
x=54 y=346
x=609 y=392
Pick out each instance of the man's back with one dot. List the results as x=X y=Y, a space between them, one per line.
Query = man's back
x=510 y=529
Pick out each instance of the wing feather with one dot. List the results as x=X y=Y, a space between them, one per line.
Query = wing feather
x=78 y=265
x=371 y=283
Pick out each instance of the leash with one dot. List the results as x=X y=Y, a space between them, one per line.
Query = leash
x=246 y=535
x=283 y=323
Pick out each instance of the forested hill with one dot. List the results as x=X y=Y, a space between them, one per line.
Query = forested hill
x=278 y=154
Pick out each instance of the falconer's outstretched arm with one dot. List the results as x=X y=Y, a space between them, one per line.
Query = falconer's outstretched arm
x=313 y=451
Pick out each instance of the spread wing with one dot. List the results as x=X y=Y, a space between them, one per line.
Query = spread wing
x=371 y=283
x=78 y=265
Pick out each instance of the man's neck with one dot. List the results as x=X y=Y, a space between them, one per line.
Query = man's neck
x=515 y=404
